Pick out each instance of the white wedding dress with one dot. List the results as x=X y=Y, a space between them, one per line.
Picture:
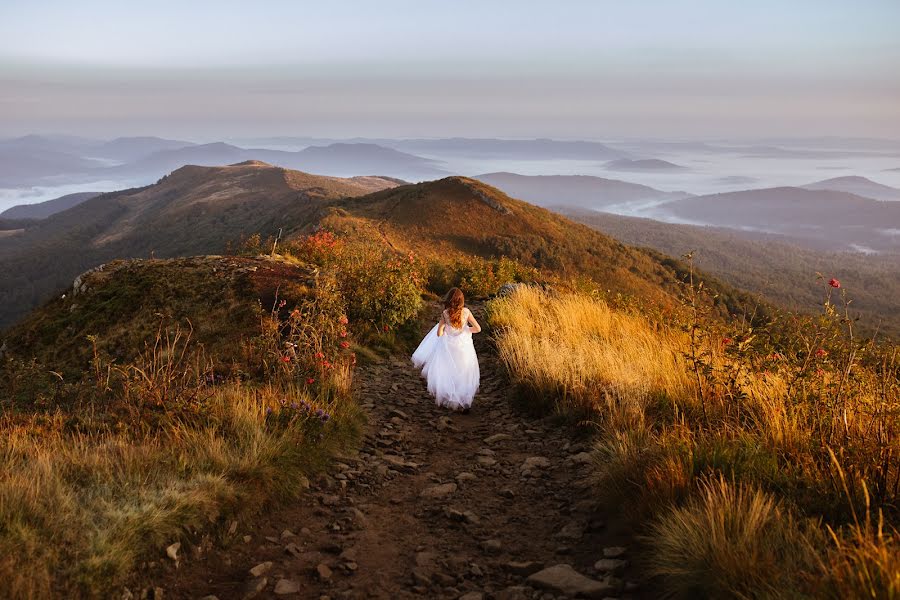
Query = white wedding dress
x=449 y=364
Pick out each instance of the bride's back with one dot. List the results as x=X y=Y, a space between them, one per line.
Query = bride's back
x=462 y=326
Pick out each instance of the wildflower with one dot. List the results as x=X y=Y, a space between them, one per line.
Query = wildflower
x=295 y=314
x=834 y=283
x=286 y=359
x=821 y=353
x=326 y=364
x=319 y=355
x=344 y=320
x=294 y=405
x=345 y=345
x=726 y=341
x=310 y=381
x=325 y=417
x=268 y=410
x=282 y=304
x=386 y=328
x=820 y=372
x=344 y=333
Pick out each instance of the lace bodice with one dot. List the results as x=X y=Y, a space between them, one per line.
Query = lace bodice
x=450 y=329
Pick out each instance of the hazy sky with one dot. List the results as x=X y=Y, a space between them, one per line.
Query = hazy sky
x=592 y=68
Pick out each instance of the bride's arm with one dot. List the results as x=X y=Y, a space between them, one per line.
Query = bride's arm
x=474 y=327
x=440 y=330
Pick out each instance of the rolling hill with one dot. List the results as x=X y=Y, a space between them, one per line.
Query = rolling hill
x=339 y=160
x=824 y=218
x=23 y=167
x=127 y=149
x=771 y=265
x=583 y=191
x=859 y=186
x=534 y=149
x=458 y=216
x=194 y=210
x=644 y=164
x=42 y=210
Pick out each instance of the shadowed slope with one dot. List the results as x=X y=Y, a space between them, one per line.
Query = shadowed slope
x=195 y=210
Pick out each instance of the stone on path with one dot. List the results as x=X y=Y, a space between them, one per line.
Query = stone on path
x=172 y=551
x=323 y=571
x=571 y=531
x=286 y=586
x=610 y=565
x=439 y=491
x=261 y=569
x=535 y=462
x=254 y=587
x=614 y=551
x=396 y=412
x=564 y=579
x=497 y=437
x=491 y=546
x=582 y=458
x=524 y=568
x=472 y=596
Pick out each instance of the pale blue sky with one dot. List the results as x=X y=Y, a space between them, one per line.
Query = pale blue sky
x=398 y=68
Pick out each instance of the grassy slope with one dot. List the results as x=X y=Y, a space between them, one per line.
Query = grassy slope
x=456 y=216
x=782 y=272
x=195 y=210
x=730 y=464
x=96 y=476
x=124 y=304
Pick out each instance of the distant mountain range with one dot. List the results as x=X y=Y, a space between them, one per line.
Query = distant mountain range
x=35 y=160
x=583 y=191
x=42 y=210
x=644 y=164
x=534 y=149
x=857 y=185
x=826 y=215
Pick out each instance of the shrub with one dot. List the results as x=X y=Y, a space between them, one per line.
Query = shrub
x=380 y=288
x=478 y=277
x=732 y=542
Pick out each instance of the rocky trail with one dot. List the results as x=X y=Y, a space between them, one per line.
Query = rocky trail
x=490 y=505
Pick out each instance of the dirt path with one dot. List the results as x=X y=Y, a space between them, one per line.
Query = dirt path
x=435 y=505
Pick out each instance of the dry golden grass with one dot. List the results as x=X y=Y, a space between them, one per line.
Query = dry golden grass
x=677 y=420
x=580 y=351
x=78 y=511
x=732 y=542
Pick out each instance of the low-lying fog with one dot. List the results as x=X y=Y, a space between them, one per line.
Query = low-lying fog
x=706 y=168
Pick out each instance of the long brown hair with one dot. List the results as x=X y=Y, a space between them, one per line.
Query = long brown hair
x=453 y=302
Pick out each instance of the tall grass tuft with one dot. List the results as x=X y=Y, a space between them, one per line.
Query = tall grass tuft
x=580 y=353
x=731 y=541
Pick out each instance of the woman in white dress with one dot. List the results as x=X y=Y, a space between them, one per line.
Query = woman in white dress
x=447 y=355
